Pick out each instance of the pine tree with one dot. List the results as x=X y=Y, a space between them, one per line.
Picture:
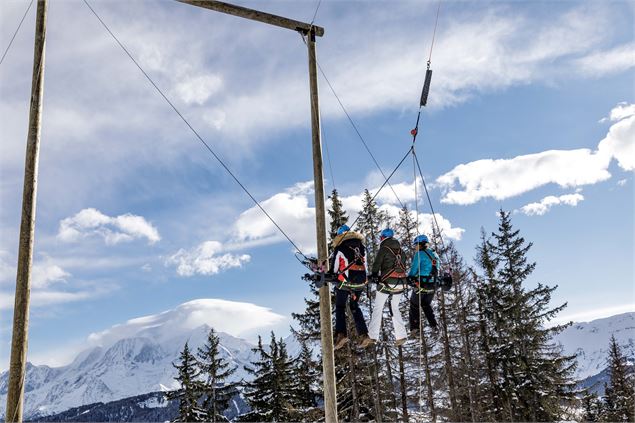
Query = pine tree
x=337 y=215
x=370 y=223
x=406 y=231
x=592 y=407
x=189 y=393
x=307 y=385
x=537 y=379
x=619 y=396
x=271 y=395
x=215 y=371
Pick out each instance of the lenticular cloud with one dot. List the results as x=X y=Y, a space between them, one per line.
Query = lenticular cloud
x=232 y=317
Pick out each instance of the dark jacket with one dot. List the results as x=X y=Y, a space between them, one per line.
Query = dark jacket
x=349 y=258
x=386 y=261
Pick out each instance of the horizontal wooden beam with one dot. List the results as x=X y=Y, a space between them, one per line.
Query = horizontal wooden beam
x=256 y=15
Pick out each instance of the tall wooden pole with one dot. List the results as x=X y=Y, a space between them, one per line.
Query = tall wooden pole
x=328 y=359
x=15 y=394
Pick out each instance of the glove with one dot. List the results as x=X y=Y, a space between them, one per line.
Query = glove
x=374 y=278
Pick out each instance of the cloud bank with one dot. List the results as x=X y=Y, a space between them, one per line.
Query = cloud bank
x=505 y=178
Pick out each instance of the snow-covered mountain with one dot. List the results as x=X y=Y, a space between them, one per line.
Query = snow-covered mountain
x=141 y=361
x=129 y=367
x=590 y=341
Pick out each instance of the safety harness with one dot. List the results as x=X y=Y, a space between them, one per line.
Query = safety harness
x=344 y=281
x=431 y=278
x=397 y=272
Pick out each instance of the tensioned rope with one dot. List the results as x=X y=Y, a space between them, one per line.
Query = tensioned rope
x=207 y=146
x=386 y=181
x=350 y=120
x=16 y=32
x=434 y=215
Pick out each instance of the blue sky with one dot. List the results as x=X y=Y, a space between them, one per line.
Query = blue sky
x=531 y=110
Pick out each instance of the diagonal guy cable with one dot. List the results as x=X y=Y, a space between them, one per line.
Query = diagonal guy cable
x=207 y=146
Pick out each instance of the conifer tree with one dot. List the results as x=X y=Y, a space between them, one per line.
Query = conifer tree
x=406 y=231
x=215 y=371
x=537 y=379
x=619 y=393
x=370 y=223
x=307 y=385
x=271 y=395
x=337 y=215
x=189 y=393
x=592 y=407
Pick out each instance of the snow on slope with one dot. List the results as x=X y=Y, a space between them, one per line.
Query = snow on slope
x=590 y=341
x=129 y=367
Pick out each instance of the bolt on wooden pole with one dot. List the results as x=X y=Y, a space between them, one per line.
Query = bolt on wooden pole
x=17 y=366
x=328 y=359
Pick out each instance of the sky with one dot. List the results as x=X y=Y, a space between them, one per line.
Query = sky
x=531 y=110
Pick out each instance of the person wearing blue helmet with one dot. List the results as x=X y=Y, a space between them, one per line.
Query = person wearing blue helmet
x=389 y=272
x=348 y=262
x=424 y=272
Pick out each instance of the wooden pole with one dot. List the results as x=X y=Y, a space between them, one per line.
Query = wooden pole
x=328 y=359
x=15 y=394
x=256 y=15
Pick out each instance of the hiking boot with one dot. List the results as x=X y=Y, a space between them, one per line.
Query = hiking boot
x=340 y=341
x=400 y=342
x=367 y=341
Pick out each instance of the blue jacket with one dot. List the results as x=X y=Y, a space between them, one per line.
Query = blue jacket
x=421 y=263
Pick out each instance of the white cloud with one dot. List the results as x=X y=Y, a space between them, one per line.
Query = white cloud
x=622 y=182
x=48 y=297
x=599 y=313
x=44 y=272
x=600 y=63
x=197 y=90
x=427 y=224
x=47 y=273
x=91 y=222
x=232 y=317
x=622 y=111
x=7 y=270
x=290 y=209
x=505 y=178
x=544 y=205
x=620 y=141
x=206 y=259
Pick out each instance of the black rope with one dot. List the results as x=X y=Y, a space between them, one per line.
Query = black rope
x=350 y=120
x=434 y=215
x=195 y=132
x=385 y=182
x=16 y=32
x=434 y=33
x=316 y=12
x=328 y=159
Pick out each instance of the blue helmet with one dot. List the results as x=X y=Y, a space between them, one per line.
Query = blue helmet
x=342 y=229
x=387 y=233
x=420 y=239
